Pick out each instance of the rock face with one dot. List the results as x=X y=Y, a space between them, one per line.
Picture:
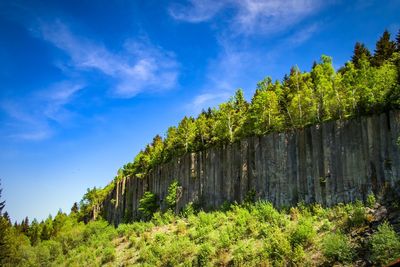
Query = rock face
x=337 y=161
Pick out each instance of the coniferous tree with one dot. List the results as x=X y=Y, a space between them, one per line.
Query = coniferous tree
x=4 y=226
x=359 y=52
x=7 y=217
x=25 y=225
x=398 y=41
x=75 y=208
x=2 y=203
x=384 y=49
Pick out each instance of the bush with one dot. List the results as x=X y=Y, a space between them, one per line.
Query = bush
x=371 y=200
x=172 y=197
x=303 y=233
x=336 y=248
x=204 y=254
x=385 y=245
x=108 y=255
x=356 y=214
x=147 y=205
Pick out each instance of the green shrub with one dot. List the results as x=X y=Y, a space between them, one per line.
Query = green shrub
x=356 y=214
x=303 y=233
x=147 y=205
x=385 y=245
x=371 y=200
x=277 y=246
x=108 y=255
x=204 y=254
x=188 y=210
x=172 y=197
x=298 y=257
x=336 y=248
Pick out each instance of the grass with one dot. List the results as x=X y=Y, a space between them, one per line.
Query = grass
x=242 y=235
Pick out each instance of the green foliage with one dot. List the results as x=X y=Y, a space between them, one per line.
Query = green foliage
x=367 y=84
x=384 y=49
x=356 y=214
x=371 y=200
x=173 y=193
x=148 y=205
x=245 y=235
x=385 y=245
x=303 y=233
x=337 y=248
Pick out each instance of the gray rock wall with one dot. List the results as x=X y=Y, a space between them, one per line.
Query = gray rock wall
x=338 y=161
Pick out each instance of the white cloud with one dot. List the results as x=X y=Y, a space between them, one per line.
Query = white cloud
x=140 y=67
x=32 y=115
x=197 y=10
x=302 y=35
x=250 y=16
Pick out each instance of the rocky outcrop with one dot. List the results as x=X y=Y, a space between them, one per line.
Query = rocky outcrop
x=329 y=163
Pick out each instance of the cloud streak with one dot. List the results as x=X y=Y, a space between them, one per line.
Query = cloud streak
x=249 y=16
x=32 y=116
x=140 y=67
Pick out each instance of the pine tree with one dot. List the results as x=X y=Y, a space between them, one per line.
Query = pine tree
x=384 y=49
x=25 y=225
x=398 y=42
x=4 y=226
x=360 y=51
x=75 y=208
x=2 y=203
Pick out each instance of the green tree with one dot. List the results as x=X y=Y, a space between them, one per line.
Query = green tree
x=171 y=143
x=75 y=208
x=327 y=96
x=148 y=205
x=35 y=231
x=398 y=41
x=384 y=49
x=47 y=229
x=2 y=203
x=25 y=225
x=264 y=114
x=230 y=118
x=4 y=228
x=173 y=194
x=302 y=106
x=204 y=125
x=359 y=52
x=186 y=134
x=157 y=149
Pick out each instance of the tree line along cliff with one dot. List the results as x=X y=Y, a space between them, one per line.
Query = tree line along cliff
x=310 y=137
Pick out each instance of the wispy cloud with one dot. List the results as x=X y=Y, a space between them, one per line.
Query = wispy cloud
x=302 y=35
x=249 y=16
x=139 y=67
x=197 y=10
x=234 y=68
x=31 y=116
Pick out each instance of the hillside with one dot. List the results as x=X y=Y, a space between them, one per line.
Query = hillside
x=321 y=136
x=246 y=235
x=306 y=174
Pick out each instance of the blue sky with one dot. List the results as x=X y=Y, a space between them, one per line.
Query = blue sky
x=84 y=85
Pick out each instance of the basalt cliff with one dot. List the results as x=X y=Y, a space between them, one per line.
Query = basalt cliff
x=329 y=163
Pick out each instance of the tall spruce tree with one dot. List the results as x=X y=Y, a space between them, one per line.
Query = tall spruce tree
x=359 y=52
x=398 y=42
x=384 y=49
x=4 y=226
x=2 y=203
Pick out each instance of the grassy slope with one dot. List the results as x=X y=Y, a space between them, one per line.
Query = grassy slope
x=245 y=235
